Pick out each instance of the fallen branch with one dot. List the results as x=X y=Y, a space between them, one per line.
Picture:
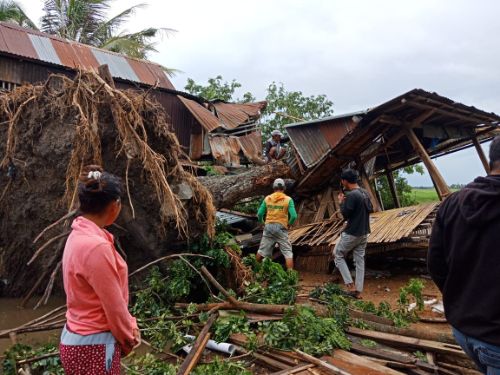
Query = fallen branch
x=165 y=258
x=197 y=349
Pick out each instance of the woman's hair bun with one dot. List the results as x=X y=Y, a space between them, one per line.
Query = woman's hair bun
x=91 y=179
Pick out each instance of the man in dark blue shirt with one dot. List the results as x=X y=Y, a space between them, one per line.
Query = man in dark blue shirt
x=355 y=207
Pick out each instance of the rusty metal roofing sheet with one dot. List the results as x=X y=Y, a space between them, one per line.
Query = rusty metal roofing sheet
x=233 y=115
x=309 y=142
x=203 y=115
x=35 y=45
x=44 y=49
x=17 y=42
x=225 y=150
x=251 y=145
x=118 y=65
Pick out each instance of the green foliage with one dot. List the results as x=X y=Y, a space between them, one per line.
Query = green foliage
x=11 y=11
x=286 y=107
x=149 y=364
x=249 y=206
x=217 y=88
x=401 y=316
x=404 y=190
x=368 y=343
x=224 y=327
x=18 y=352
x=301 y=329
x=221 y=367
x=421 y=356
x=272 y=283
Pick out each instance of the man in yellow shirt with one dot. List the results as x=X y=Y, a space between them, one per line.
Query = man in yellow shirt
x=279 y=212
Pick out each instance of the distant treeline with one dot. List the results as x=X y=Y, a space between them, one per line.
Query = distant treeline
x=452 y=187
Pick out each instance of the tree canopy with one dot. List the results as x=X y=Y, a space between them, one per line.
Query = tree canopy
x=86 y=21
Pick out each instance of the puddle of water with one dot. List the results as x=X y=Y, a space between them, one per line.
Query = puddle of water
x=11 y=316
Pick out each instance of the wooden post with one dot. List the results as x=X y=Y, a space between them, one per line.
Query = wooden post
x=392 y=187
x=442 y=189
x=366 y=184
x=436 y=188
x=481 y=154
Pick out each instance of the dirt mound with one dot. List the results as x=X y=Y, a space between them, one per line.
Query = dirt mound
x=48 y=132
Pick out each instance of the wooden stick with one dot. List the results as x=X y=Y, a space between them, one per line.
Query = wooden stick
x=245 y=306
x=219 y=287
x=45 y=245
x=49 y=327
x=201 y=341
x=264 y=359
x=294 y=370
x=165 y=258
x=329 y=368
x=34 y=359
x=34 y=321
x=67 y=216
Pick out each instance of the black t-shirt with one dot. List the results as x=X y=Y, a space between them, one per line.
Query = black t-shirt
x=356 y=210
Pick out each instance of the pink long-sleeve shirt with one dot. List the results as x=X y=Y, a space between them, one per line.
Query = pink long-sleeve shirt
x=96 y=284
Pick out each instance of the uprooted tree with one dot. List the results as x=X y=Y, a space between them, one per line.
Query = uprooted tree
x=49 y=132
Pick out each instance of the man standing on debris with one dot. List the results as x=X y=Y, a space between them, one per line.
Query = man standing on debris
x=355 y=208
x=279 y=211
x=274 y=149
x=464 y=262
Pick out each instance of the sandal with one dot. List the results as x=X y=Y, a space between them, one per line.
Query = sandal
x=354 y=294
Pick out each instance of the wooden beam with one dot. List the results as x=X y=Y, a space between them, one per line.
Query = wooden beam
x=392 y=187
x=481 y=154
x=366 y=184
x=442 y=188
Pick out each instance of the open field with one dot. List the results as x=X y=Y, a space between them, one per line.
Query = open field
x=424 y=195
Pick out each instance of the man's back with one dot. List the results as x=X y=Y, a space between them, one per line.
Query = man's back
x=464 y=258
x=356 y=210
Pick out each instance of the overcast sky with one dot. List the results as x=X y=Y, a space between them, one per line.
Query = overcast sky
x=359 y=53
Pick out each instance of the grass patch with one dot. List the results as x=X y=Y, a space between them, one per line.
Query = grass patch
x=426 y=195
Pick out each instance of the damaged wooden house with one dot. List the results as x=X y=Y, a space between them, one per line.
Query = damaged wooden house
x=415 y=127
x=213 y=131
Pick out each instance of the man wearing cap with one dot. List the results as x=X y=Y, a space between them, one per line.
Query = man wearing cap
x=279 y=212
x=274 y=149
x=355 y=207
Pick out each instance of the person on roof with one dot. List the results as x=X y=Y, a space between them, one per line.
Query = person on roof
x=274 y=148
x=355 y=207
x=279 y=212
x=464 y=262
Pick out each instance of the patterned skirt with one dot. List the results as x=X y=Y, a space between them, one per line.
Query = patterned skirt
x=96 y=354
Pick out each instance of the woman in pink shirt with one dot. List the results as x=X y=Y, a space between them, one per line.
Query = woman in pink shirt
x=99 y=327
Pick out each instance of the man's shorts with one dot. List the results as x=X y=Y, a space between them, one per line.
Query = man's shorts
x=275 y=233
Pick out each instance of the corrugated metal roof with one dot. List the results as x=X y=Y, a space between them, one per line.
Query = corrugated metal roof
x=233 y=115
x=44 y=49
x=309 y=143
x=32 y=44
x=251 y=145
x=118 y=65
x=229 y=218
x=203 y=115
x=225 y=150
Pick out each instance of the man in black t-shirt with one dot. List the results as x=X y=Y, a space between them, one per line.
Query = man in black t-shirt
x=355 y=207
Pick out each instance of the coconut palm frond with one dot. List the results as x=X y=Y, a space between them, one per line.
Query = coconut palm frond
x=12 y=12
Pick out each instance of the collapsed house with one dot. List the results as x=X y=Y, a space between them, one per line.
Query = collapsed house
x=411 y=128
x=206 y=130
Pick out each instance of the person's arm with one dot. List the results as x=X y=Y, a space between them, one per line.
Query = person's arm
x=261 y=213
x=292 y=214
x=436 y=259
x=348 y=206
x=104 y=279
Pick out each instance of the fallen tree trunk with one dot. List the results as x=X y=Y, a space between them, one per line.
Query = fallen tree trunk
x=228 y=190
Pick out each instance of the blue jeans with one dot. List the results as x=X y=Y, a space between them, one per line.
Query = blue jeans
x=486 y=356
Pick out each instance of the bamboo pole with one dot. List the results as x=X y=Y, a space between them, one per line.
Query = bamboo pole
x=481 y=154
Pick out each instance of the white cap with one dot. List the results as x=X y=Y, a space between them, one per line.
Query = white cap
x=279 y=183
x=277 y=132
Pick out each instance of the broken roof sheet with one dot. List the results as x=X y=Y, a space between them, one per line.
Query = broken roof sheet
x=227 y=116
x=34 y=45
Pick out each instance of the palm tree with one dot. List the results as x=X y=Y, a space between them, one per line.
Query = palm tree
x=10 y=11
x=85 y=21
